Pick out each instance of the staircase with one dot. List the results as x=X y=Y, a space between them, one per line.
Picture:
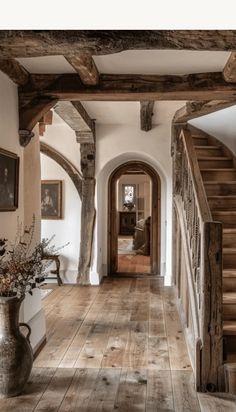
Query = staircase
x=218 y=169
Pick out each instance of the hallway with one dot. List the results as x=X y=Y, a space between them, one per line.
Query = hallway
x=119 y=347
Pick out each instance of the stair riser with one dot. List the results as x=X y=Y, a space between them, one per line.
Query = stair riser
x=214 y=164
x=221 y=189
x=230 y=343
x=229 y=285
x=216 y=152
x=229 y=239
x=229 y=261
x=200 y=141
x=229 y=312
x=218 y=175
x=222 y=204
x=228 y=221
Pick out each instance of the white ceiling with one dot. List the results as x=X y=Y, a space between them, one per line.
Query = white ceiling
x=46 y=64
x=137 y=62
x=161 y=62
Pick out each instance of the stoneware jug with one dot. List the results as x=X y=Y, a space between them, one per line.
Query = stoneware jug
x=16 y=357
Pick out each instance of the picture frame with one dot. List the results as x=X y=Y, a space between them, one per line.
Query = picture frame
x=9 y=180
x=51 y=199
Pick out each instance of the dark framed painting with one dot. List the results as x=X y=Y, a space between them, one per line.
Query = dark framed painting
x=9 y=181
x=51 y=199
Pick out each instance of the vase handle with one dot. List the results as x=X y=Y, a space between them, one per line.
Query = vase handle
x=29 y=329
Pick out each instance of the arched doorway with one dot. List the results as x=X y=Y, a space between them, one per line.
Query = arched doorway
x=155 y=215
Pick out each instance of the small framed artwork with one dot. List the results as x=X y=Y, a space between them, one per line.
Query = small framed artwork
x=51 y=199
x=9 y=181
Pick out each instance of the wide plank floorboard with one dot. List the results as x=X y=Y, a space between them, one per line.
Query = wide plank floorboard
x=118 y=346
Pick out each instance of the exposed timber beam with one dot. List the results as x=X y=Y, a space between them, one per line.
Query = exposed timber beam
x=15 y=71
x=46 y=120
x=31 y=43
x=194 y=109
x=86 y=68
x=229 y=71
x=146 y=113
x=66 y=164
x=88 y=211
x=30 y=115
x=124 y=87
x=74 y=114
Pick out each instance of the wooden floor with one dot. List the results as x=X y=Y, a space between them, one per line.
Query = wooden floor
x=115 y=347
x=134 y=264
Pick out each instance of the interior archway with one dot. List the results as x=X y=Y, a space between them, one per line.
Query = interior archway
x=155 y=232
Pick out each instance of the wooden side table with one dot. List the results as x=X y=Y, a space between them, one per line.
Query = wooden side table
x=56 y=259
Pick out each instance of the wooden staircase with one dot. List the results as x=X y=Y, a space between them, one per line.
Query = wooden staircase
x=218 y=169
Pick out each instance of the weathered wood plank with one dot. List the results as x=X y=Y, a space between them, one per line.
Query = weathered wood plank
x=132 y=390
x=229 y=71
x=104 y=394
x=30 y=43
x=159 y=392
x=80 y=391
x=86 y=68
x=146 y=113
x=158 y=353
x=123 y=87
x=13 y=69
x=55 y=392
x=66 y=164
x=185 y=397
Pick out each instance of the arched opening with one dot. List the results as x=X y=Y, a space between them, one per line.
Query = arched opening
x=113 y=215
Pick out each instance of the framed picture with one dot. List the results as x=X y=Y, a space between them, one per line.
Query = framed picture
x=51 y=199
x=9 y=180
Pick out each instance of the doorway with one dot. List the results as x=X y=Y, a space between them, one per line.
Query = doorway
x=134 y=219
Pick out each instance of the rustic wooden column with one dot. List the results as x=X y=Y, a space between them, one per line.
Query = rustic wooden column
x=88 y=212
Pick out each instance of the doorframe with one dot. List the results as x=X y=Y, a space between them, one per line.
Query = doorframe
x=155 y=214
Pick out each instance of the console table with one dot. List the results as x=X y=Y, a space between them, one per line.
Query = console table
x=56 y=259
x=127 y=223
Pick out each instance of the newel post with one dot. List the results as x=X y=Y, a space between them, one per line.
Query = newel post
x=211 y=355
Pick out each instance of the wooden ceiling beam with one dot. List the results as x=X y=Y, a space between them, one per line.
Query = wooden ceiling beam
x=146 y=113
x=85 y=67
x=192 y=109
x=229 y=71
x=32 y=43
x=112 y=87
x=15 y=71
x=74 y=114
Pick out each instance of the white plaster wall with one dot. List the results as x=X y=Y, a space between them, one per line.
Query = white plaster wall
x=221 y=124
x=66 y=229
x=120 y=143
x=29 y=175
x=9 y=140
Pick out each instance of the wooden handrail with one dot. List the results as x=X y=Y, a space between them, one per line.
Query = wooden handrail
x=200 y=254
x=198 y=186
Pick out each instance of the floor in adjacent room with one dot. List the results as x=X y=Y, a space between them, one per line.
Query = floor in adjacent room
x=129 y=261
x=118 y=347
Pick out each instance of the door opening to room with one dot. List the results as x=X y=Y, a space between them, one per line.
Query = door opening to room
x=134 y=220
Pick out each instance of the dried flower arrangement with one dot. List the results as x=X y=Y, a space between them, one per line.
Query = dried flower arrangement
x=22 y=267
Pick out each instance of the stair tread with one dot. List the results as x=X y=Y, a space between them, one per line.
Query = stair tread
x=218 y=169
x=229 y=273
x=224 y=212
x=229 y=327
x=229 y=250
x=229 y=230
x=229 y=298
x=214 y=182
x=207 y=147
x=214 y=157
x=221 y=197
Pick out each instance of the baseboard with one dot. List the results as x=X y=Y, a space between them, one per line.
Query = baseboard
x=39 y=346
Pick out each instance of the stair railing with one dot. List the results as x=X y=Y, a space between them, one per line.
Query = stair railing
x=197 y=265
